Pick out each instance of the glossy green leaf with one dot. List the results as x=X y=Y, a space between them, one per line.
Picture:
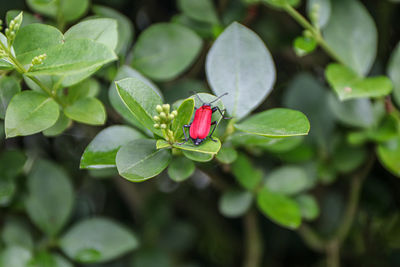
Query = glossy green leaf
x=15 y=232
x=354 y=112
x=304 y=45
x=181 y=169
x=278 y=122
x=272 y=144
x=165 y=50
x=309 y=96
x=97 y=240
x=125 y=26
x=9 y=87
x=74 y=57
x=87 y=88
x=347 y=84
x=34 y=40
x=245 y=173
x=102 y=150
x=68 y=10
x=389 y=155
x=141 y=100
x=227 y=155
x=11 y=164
x=197 y=156
x=5 y=64
x=185 y=113
x=288 y=180
x=203 y=10
x=15 y=256
x=308 y=207
x=87 y=110
x=102 y=30
x=279 y=208
x=235 y=203
x=351 y=33
x=324 y=11
x=51 y=197
x=30 y=112
x=203 y=29
x=394 y=72
x=207 y=146
x=59 y=127
x=236 y=53
x=117 y=103
x=140 y=160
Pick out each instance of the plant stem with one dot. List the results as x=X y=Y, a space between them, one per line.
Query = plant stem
x=21 y=69
x=311 y=238
x=314 y=31
x=253 y=240
x=333 y=254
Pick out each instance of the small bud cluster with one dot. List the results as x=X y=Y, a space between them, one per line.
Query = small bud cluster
x=13 y=28
x=38 y=59
x=314 y=15
x=164 y=120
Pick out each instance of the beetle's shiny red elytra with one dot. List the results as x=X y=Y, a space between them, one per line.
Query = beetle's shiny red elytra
x=201 y=124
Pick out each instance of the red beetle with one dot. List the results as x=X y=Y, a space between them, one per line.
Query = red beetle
x=199 y=129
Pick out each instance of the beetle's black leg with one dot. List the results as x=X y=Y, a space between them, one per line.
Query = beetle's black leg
x=222 y=112
x=184 y=133
x=215 y=126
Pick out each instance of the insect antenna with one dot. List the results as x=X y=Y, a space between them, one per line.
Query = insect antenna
x=224 y=94
x=201 y=100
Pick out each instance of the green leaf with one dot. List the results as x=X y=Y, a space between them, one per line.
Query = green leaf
x=281 y=3
x=278 y=122
x=102 y=150
x=5 y=64
x=51 y=197
x=389 y=155
x=30 y=112
x=66 y=10
x=165 y=50
x=74 y=57
x=203 y=11
x=117 y=103
x=11 y=164
x=354 y=112
x=140 y=160
x=324 y=11
x=279 y=208
x=141 y=100
x=197 y=156
x=181 y=169
x=309 y=96
x=207 y=146
x=348 y=158
x=101 y=30
x=97 y=240
x=394 y=72
x=185 y=113
x=9 y=87
x=203 y=29
x=304 y=45
x=235 y=203
x=15 y=256
x=45 y=259
x=87 y=110
x=227 y=155
x=59 y=127
x=272 y=144
x=87 y=88
x=308 y=207
x=125 y=27
x=288 y=180
x=34 y=40
x=245 y=173
x=352 y=35
x=347 y=84
x=16 y=233
x=236 y=53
